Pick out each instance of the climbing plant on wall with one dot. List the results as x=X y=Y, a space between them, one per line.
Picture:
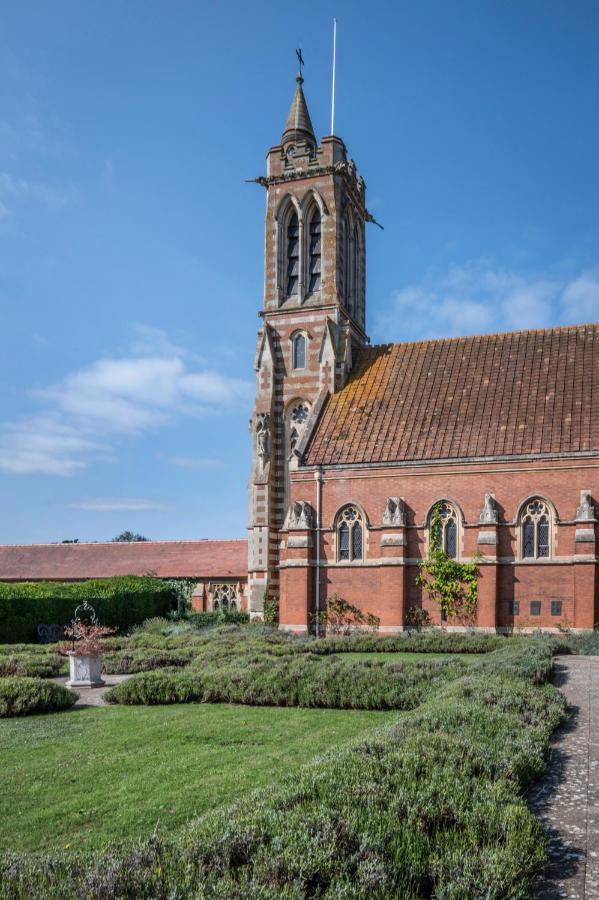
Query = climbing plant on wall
x=451 y=584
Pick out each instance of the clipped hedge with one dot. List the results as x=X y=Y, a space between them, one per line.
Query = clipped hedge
x=220 y=617
x=32 y=664
x=120 y=602
x=124 y=662
x=26 y=696
x=300 y=681
x=406 y=642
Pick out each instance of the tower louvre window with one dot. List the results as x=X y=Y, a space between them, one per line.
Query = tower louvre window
x=292 y=255
x=314 y=255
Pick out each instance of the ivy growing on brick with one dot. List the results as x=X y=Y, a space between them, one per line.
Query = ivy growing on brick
x=451 y=584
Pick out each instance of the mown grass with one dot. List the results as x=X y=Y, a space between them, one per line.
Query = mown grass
x=115 y=774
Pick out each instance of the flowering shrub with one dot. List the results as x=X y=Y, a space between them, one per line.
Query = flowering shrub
x=86 y=639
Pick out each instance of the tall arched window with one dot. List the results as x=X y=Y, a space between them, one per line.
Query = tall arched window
x=445 y=530
x=298 y=345
x=348 y=268
x=314 y=253
x=356 y=274
x=535 y=525
x=292 y=254
x=350 y=535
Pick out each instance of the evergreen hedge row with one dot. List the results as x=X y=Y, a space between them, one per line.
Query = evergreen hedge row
x=119 y=602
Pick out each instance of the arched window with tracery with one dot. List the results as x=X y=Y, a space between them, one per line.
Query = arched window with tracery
x=293 y=250
x=314 y=252
x=350 y=534
x=298 y=351
x=224 y=596
x=444 y=528
x=535 y=524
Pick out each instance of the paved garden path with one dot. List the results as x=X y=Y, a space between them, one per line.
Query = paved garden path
x=94 y=696
x=567 y=799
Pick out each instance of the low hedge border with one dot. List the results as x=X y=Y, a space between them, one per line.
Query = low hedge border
x=306 y=681
x=26 y=696
x=432 y=806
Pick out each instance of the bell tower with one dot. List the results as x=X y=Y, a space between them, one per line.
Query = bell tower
x=313 y=317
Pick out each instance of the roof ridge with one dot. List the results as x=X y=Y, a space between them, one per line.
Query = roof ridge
x=128 y=543
x=490 y=334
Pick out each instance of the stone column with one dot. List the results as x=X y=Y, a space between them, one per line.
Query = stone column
x=487 y=540
x=585 y=573
x=394 y=547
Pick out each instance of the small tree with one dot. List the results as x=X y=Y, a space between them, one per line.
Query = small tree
x=126 y=537
x=342 y=617
x=270 y=610
x=453 y=585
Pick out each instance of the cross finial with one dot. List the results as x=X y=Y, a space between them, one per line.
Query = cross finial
x=300 y=60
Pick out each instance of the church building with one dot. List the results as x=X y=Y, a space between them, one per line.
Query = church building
x=355 y=445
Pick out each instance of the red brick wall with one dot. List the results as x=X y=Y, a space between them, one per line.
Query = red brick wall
x=388 y=590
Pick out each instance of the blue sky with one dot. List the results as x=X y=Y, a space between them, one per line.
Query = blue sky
x=131 y=248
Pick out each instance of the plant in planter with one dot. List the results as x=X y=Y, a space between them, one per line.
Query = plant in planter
x=84 y=648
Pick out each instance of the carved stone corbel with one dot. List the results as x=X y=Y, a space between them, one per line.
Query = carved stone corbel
x=395 y=512
x=489 y=514
x=299 y=516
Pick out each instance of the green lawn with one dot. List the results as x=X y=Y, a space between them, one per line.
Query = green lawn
x=399 y=656
x=115 y=773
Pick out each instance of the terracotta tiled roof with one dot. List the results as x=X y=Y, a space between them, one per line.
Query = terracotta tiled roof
x=166 y=559
x=524 y=392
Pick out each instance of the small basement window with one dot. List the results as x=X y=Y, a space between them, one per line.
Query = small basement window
x=514 y=607
x=556 y=607
x=535 y=607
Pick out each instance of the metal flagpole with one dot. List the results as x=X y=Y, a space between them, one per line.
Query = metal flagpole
x=334 y=62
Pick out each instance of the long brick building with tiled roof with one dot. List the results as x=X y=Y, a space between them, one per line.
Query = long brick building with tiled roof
x=367 y=457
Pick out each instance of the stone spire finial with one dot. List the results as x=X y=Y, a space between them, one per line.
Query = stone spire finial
x=299 y=125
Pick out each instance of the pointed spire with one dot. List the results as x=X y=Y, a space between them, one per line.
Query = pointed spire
x=298 y=126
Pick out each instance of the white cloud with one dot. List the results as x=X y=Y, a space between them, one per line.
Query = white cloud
x=16 y=191
x=107 y=505
x=581 y=297
x=196 y=462
x=42 y=444
x=90 y=408
x=479 y=297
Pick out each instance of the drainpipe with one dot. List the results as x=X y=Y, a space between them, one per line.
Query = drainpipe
x=319 y=480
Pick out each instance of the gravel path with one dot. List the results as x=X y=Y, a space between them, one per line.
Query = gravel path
x=94 y=696
x=567 y=799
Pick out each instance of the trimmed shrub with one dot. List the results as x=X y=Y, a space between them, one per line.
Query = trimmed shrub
x=219 y=617
x=429 y=642
x=34 y=665
x=119 y=602
x=304 y=681
x=26 y=696
x=126 y=661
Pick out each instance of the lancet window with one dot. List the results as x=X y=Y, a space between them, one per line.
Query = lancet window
x=350 y=534
x=535 y=524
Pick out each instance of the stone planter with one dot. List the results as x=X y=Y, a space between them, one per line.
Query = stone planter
x=85 y=671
